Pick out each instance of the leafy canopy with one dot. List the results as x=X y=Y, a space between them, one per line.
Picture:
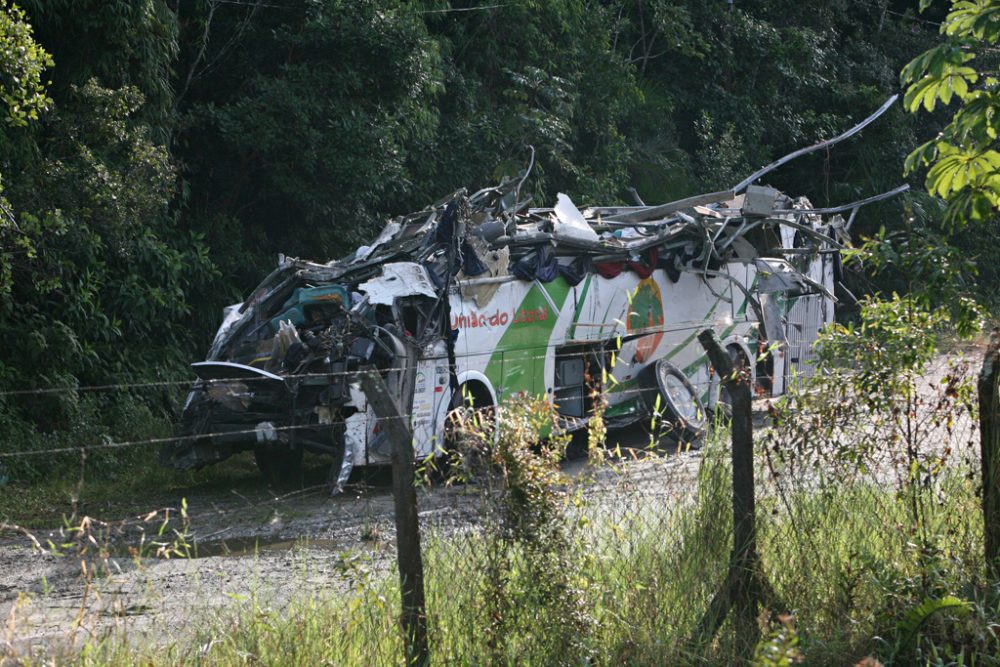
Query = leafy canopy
x=963 y=160
x=22 y=61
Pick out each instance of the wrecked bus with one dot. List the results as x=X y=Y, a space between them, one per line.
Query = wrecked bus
x=490 y=298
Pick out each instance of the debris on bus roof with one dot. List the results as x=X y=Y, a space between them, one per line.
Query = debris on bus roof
x=398 y=279
x=496 y=245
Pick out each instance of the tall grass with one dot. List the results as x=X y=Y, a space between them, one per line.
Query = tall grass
x=641 y=567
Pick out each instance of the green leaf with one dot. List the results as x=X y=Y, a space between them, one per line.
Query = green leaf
x=977 y=120
x=954 y=80
x=957 y=168
x=915 y=619
x=934 y=61
x=921 y=156
x=979 y=20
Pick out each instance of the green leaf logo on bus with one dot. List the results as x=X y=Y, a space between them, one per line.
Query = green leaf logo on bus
x=646 y=312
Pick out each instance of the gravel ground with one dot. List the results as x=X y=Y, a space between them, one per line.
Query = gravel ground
x=267 y=548
x=264 y=547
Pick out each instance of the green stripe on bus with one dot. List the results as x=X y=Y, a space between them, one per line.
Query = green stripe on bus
x=514 y=365
x=579 y=308
x=687 y=341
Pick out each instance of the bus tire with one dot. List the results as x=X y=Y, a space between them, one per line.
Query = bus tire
x=669 y=395
x=470 y=405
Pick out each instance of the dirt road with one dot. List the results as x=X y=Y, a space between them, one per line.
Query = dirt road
x=242 y=547
x=258 y=546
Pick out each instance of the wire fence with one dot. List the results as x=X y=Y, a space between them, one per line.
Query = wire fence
x=865 y=502
x=621 y=384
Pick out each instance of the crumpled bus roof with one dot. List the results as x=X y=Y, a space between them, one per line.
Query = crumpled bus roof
x=503 y=238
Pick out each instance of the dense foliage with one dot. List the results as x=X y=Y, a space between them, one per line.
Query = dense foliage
x=963 y=158
x=156 y=155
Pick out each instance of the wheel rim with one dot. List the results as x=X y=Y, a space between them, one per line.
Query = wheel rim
x=677 y=392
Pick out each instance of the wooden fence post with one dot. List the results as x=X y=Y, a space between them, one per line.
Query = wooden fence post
x=989 y=442
x=744 y=584
x=395 y=423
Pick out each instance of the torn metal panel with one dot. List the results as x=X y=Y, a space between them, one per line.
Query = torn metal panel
x=230 y=316
x=790 y=227
x=484 y=286
x=654 y=212
x=388 y=233
x=759 y=201
x=570 y=222
x=226 y=370
x=777 y=275
x=398 y=279
x=853 y=206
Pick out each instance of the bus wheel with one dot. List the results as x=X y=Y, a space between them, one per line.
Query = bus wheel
x=579 y=444
x=280 y=467
x=673 y=401
x=471 y=418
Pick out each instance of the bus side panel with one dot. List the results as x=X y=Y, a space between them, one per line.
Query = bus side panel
x=608 y=307
x=662 y=320
x=512 y=339
x=430 y=392
x=693 y=304
x=509 y=339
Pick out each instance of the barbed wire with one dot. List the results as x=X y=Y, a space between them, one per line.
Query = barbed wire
x=167 y=517
x=167 y=513
x=200 y=436
x=637 y=503
x=620 y=396
x=589 y=350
